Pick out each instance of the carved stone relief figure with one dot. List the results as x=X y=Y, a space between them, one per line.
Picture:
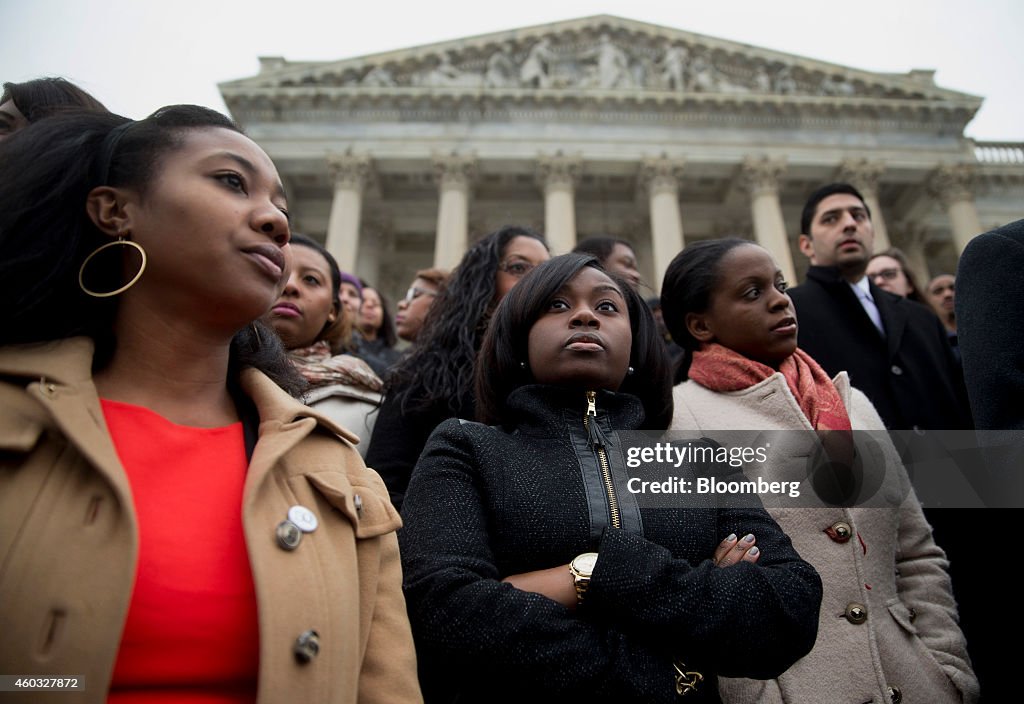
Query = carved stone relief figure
x=536 y=69
x=702 y=77
x=446 y=75
x=379 y=77
x=612 y=66
x=501 y=71
x=837 y=87
x=762 y=81
x=672 y=68
x=784 y=82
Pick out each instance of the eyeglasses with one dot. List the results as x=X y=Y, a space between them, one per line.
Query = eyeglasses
x=887 y=274
x=516 y=268
x=415 y=292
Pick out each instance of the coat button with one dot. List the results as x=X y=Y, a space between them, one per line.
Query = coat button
x=896 y=369
x=856 y=613
x=307 y=646
x=840 y=531
x=288 y=535
x=895 y=695
x=303 y=518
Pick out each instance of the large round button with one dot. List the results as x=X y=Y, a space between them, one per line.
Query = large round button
x=895 y=695
x=307 y=646
x=288 y=535
x=303 y=518
x=856 y=613
x=840 y=531
x=896 y=369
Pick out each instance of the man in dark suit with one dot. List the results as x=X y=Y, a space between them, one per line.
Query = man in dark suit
x=894 y=349
x=896 y=352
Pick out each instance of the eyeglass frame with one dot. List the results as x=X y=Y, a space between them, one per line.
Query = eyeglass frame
x=504 y=266
x=415 y=292
x=887 y=274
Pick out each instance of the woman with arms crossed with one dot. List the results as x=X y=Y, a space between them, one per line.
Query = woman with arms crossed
x=533 y=573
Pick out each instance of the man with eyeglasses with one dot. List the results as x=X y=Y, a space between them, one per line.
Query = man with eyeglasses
x=894 y=349
x=413 y=309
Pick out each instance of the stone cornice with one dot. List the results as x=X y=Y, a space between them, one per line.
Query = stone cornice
x=319 y=104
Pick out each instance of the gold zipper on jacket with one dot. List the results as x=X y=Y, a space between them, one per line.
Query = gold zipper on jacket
x=602 y=458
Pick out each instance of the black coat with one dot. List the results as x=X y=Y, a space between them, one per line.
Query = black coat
x=399 y=436
x=990 y=323
x=910 y=375
x=487 y=502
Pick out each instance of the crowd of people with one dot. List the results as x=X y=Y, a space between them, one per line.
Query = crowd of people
x=230 y=472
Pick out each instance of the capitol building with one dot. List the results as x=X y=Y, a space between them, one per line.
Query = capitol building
x=609 y=126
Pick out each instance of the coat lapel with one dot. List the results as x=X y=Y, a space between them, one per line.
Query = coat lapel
x=284 y=422
x=894 y=318
x=62 y=373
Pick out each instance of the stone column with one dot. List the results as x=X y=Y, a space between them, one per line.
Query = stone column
x=660 y=177
x=557 y=176
x=863 y=175
x=760 y=178
x=350 y=173
x=375 y=245
x=913 y=236
x=454 y=174
x=954 y=187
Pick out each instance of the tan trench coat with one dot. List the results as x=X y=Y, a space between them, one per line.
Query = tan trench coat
x=69 y=542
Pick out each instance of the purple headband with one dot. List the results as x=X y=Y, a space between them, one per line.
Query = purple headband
x=349 y=279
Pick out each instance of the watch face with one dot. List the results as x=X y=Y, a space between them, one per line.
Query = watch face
x=584 y=563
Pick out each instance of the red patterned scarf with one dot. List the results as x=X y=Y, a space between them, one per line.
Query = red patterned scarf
x=721 y=369
x=321 y=368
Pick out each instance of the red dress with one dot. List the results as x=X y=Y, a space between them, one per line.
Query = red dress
x=191 y=635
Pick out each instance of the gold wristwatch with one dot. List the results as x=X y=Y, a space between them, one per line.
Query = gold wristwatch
x=581 y=568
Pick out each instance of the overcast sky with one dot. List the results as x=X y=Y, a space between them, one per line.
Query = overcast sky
x=136 y=55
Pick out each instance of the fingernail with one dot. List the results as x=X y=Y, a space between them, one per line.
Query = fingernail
x=748 y=538
x=753 y=551
x=732 y=537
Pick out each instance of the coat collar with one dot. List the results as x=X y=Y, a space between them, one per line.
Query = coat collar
x=543 y=408
x=59 y=375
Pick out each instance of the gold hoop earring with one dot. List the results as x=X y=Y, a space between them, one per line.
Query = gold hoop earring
x=120 y=241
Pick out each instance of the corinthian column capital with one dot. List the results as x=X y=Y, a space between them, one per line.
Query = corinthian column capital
x=863 y=174
x=350 y=170
x=661 y=174
x=953 y=183
x=455 y=170
x=558 y=171
x=760 y=176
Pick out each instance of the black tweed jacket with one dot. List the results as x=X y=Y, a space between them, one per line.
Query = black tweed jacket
x=487 y=502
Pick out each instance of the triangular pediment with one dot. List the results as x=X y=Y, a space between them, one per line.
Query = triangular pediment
x=601 y=57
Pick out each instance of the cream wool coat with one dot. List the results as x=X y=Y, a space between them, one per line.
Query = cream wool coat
x=910 y=640
x=69 y=542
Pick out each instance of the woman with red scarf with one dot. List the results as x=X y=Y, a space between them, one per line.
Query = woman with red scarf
x=888 y=624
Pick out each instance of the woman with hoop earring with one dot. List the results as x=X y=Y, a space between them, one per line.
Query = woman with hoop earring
x=174 y=524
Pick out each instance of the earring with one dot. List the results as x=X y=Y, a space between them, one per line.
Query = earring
x=629 y=371
x=121 y=241
x=522 y=365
